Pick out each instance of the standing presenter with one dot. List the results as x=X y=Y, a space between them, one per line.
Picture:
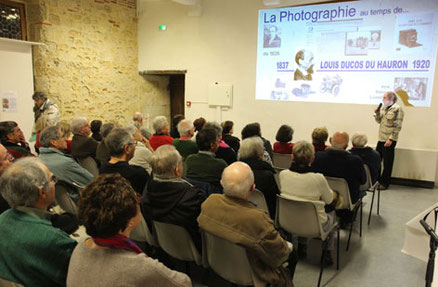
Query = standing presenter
x=390 y=118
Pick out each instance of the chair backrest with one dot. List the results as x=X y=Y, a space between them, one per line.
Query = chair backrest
x=6 y=283
x=63 y=199
x=298 y=217
x=176 y=241
x=369 y=183
x=142 y=233
x=259 y=199
x=281 y=160
x=341 y=186
x=228 y=260
x=89 y=164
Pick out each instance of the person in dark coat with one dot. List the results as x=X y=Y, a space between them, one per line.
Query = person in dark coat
x=170 y=199
x=82 y=145
x=251 y=152
x=369 y=156
x=224 y=151
x=227 y=136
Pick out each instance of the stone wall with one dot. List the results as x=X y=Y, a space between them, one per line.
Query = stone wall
x=89 y=63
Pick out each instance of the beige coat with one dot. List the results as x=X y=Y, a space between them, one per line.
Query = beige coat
x=390 y=121
x=239 y=221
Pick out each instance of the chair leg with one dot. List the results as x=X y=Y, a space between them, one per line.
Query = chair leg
x=371 y=207
x=337 y=251
x=361 y=210
x=378 y=201
x=349 y=235
x=324 y=248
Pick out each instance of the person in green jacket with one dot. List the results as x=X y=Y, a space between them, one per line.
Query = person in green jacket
x=32 y=251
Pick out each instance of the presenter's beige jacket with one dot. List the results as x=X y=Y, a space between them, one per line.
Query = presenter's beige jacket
x=390 y=120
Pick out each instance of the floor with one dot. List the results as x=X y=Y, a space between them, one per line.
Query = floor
x=375 y=259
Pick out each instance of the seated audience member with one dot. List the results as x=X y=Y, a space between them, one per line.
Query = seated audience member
x=95 y=130
x=65 y=128
x=319 y=137
x=5 y=161
x=336 y=161
x=121 y=146
x=251 y=152
x=299 y=182
x=227 y=136
x=102 y=152
x=41 y=124
x=199 y=125
x=109 y=210
x=184 y=145
x=224 y=151
x=82 y=145
x=169 y=198
x=204 y=166
x=175 y=121
x=143 y=150
x=63 y=166
x=251 y=130
x=284 y=138
x=138 y=122
x=232 y=217
x=12 y=139
x=368 y=155
x=161 y=136
x=33 y=252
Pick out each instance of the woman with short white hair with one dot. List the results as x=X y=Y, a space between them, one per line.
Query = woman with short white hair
x=161 y=135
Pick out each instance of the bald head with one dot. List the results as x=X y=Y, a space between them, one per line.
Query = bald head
x=238 y=180
x=339 y=140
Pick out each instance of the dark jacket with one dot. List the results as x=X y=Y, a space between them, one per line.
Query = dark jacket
x=232 y=141
x=173 y=201
x=265 y=182
x=343 y=164
x=371 y=158
x=268 y=146
x=204 y=166
x=227 y=154
x=136 y=175
x=82 y=146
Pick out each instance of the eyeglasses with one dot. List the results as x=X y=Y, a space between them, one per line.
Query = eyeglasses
x=133 y=143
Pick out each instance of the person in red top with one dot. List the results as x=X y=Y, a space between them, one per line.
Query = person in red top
x=284 y=138
x=161 y=136
x=319 y=138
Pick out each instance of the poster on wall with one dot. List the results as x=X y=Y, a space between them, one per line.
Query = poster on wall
x=9 y=101
x=348 y=52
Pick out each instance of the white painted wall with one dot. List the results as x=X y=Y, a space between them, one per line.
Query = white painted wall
x=221 y=46
x=16 y=74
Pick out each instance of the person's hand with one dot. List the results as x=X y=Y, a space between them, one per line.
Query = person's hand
x=377 y=110
x=146 y=143
x=388 y=143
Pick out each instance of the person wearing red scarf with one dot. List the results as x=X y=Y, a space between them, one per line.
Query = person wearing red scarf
x=109 y=209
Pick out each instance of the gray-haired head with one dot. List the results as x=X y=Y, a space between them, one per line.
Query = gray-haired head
x=116 y=141
x=216 y=126
x=39 y=96
x=138 y=117
x=165 y=160
x=21 y=182
x=185 y=128
x=159 y=123
x=49 y=134
x=77 y=123
x=131 y=129
x=303 y=153
x=391 y=95
x=106 y=129
x=251 y=148
x=359 y=139
x=237 y=180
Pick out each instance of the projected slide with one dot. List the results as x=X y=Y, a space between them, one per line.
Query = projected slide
x=348 y=52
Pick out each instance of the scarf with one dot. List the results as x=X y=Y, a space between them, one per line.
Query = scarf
x=299 y=168
x=118 y=241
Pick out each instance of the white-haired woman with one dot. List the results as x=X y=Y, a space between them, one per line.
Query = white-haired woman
x=161 y=135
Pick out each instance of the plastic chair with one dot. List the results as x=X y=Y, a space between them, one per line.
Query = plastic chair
x=258 y=198
x=63 y=199
x=89 y=164
x=281 y=160
x=6 y=283
x=176 y=241
x=142 y=233
x=300 y=217
x=341 y=186
x=370 y=187
x=218 y=253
